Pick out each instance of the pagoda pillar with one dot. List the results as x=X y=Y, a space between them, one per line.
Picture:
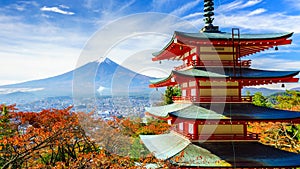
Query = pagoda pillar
x=245 y=129
x=195 y=134
x=240 y=91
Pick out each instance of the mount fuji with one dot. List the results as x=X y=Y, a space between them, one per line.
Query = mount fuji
x=104 y=78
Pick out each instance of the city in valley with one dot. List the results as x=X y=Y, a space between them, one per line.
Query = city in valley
x=103 y=107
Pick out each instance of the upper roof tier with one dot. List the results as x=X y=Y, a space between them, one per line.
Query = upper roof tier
x=183 y=42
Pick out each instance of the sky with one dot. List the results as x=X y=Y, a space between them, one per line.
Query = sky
x=43 y=38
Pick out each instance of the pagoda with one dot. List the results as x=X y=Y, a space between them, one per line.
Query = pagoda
x=209 y=120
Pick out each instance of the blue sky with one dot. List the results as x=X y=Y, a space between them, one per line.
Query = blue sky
x=45 y=38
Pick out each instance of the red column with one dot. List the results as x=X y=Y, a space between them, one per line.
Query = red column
x=196 y=134
x=240 y=91
x=245 y=129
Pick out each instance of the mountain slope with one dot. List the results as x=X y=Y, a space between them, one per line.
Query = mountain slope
x=85 y=80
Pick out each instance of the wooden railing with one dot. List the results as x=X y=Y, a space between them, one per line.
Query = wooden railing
x=220 y=137
x=217 y=63
x=213 y=99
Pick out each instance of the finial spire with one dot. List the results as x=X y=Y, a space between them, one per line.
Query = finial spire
x=208 y=14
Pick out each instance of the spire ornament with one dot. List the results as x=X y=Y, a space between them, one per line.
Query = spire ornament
x=208 y=14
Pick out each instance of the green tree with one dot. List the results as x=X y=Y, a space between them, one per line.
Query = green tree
x=248 y=93
x=260 y=100
x=6 y=130
x=288 y=100
x=138 y=149
x=170 y=92
x=5 y=126
x=294 y=131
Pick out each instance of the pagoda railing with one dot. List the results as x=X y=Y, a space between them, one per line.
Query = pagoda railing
x=212 y=99
x=224 y=137
x=211 y=63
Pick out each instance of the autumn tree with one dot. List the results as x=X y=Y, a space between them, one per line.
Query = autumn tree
x=45 y=138
x=63 y=139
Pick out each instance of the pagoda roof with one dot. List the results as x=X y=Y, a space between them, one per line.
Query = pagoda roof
x=239 y=73
x=227 y=111
x=164 y=146
x=163 y=111
x=226 y=36
x=182 y=42
x=235 y=154
x=180 y=151
x=227 y=73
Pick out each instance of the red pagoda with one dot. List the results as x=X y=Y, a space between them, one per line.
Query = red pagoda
x=209 y=120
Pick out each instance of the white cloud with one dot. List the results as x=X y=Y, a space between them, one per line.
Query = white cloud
x=157 y=4
x=228 y=7
x=21 y=6
x=36 y=51
x=126 y=5
x=36 y=62
x=13 y=90
x=275 y=22
x=185 y=8
x=193 y=15
x=275 y=64
x=257 y=11
x=132 y=45
x=89 y=3
x=293 y=3
x=238 y=4
x=56 y=10
x=64 y=6
x=251 y=3
x=258 y=20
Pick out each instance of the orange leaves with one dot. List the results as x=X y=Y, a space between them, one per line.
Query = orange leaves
x=134 y=127
x=60 y=139
x=46 y=137
x=276 y=134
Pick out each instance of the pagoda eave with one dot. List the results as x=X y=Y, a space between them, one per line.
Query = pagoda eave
x=158 y=117
x=244 y=81
x=163 y=84
x=264 y=81
x=172 y=52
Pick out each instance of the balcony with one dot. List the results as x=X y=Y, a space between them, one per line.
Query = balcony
x=220 y=137
x=214 y=99
x=215 y=63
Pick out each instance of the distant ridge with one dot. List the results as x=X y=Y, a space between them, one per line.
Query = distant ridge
x=297 y=88
x=264 y=91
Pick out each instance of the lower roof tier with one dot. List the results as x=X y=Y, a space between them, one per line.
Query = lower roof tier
x=224 y=112
x=181 y=152
x=235 y=155
x=246 y=76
